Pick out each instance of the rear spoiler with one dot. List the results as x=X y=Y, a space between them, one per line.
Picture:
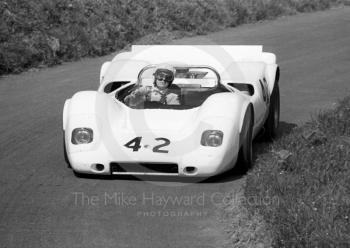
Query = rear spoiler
x=219 y=52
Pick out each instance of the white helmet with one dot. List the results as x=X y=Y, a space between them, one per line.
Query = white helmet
x=166 y=72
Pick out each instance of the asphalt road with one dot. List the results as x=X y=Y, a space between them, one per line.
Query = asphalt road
x=42 y=204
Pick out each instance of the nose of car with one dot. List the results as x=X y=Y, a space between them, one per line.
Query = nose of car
x=162 y=119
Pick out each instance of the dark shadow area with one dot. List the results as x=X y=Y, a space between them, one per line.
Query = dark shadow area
x=260 y=146
x=285 y=128
x=223 y=177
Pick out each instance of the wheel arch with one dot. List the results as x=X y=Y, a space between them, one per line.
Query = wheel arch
x=65 y=113
x=103 y=70
x=89 y=104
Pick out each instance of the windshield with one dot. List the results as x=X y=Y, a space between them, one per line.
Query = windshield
x=172 y=87
x=192 y=76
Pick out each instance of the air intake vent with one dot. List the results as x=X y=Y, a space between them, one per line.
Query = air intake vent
x=144 y=168
x=110 y=87
x=243 y=87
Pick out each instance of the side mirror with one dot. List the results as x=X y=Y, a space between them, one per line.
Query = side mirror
x=103 y=70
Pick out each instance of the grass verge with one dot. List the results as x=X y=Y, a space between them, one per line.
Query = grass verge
x=300 y=187
x=40 y=32
x=244 y=229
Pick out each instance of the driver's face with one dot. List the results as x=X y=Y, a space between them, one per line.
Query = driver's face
x=162 y=84
x=162 y=80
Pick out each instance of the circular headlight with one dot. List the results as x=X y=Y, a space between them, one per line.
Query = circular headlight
x=212 y=138
x=82 y=136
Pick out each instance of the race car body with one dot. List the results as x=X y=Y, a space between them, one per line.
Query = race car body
x=227 y=94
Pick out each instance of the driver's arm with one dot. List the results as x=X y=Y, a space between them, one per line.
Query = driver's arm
x=137 y=96
x=173 y=99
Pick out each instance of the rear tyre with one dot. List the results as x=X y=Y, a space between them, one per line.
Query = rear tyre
x=273 y=119
x=245 y=155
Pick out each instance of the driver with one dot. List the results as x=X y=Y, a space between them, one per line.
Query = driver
x=162 y=90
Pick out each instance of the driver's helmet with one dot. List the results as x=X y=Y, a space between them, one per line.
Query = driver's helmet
x=166 y=72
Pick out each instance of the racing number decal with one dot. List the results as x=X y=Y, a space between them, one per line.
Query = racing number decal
x=135 y=144
x=166 y=143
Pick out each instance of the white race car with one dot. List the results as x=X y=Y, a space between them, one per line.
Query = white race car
x=227 y=95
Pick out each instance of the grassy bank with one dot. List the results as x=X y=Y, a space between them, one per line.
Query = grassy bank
x=40 y=32
x=303 y=181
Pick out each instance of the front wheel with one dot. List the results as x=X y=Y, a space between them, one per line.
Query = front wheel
x=245 y=156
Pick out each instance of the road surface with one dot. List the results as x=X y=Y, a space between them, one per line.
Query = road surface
x=42 y=204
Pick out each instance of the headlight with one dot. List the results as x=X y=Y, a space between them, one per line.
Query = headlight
x=82 y=136
x=212 y=138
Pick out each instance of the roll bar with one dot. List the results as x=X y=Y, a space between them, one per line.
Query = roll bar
x=180 y=67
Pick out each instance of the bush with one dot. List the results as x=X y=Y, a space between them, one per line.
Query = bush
x=34 y=32
x=311 y=184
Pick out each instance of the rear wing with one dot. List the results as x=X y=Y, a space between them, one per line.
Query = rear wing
x=195 y=54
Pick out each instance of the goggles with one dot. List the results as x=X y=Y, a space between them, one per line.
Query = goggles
x=164 y=75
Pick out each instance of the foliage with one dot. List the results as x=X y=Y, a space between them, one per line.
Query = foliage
x=35 y=32
x=311 y=184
